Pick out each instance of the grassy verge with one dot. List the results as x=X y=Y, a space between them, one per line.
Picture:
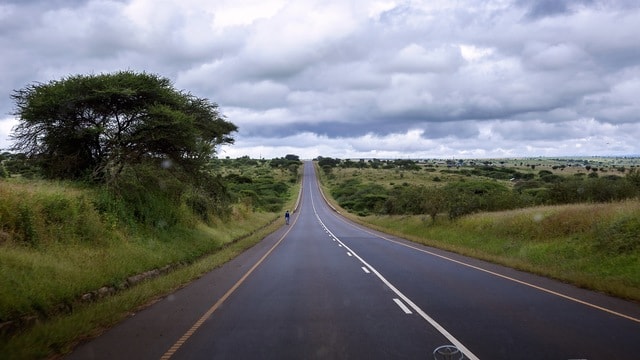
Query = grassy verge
x=57 y=246
x=595 y=246
x=59 y=334
x=573 y=243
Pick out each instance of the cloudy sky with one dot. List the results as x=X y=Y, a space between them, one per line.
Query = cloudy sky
x=359 y=79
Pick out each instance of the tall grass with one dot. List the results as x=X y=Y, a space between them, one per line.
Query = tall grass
x=58 y=241
x=57 y=335
x=33 y=214
x=591 y=245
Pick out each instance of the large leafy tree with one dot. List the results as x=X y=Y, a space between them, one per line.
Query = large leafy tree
x=98 y=125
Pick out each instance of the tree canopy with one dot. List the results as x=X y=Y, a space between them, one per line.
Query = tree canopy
x=93 y=126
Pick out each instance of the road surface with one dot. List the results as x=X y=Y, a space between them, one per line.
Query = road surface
x=324 y=288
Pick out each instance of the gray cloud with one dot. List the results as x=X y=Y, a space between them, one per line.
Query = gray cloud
x=466 y=78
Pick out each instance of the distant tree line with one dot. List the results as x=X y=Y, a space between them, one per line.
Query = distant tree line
x=481 y=192
x=327 y=163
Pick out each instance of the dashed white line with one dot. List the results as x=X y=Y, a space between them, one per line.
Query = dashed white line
x=348 y=253
x=412 y=305
x=402 y=306
x=366 y=270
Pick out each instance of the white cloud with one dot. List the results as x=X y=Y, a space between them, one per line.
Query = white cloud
x=382 y=79
x=416 y=59
x=6 y=125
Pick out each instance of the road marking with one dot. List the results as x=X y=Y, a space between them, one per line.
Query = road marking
x=402 y=306
x=411 y=304
x=172 y=350
x=348 y=253
x=521 y=282
x=366 y=270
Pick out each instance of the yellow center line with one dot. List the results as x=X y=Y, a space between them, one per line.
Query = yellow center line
x=167 y=355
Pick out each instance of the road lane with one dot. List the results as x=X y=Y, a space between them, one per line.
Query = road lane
x=311 y=299
x=328 y=289
x=499 y=312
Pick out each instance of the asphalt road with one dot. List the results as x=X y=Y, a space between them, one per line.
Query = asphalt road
x=324 y=288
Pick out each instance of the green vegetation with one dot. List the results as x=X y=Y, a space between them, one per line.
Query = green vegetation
x=403 y=187
x=145 y=142
x=95 y=126
x=62 y=240
x=542 y=218
x=258 y=186
x=113 y=180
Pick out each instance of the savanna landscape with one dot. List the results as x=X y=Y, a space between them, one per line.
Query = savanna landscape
x=78 y=257
x=577 y=220
x=113 y=197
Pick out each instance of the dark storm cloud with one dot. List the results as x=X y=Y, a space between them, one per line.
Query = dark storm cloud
x=543 y=8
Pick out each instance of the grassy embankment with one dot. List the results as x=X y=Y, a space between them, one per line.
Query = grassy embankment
x=596 y=246
x=56 y=246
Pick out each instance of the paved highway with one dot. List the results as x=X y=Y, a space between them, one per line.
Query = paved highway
x=324 y=288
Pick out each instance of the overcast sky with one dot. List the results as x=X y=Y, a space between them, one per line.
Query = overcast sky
x=359 y=79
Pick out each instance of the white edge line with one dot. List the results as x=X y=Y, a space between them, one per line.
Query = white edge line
x=540 y=288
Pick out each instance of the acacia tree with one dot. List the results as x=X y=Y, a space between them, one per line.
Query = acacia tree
x=96 y=125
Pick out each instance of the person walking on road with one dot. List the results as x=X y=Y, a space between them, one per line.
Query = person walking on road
x=286 y=217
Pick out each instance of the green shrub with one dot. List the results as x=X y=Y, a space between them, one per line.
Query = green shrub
x=3 y=171
x=367 y=198
x=56 y=209
x=475 y=195
x=199 y=204
x=151 y=195
x=620 y=236
x=26 y=225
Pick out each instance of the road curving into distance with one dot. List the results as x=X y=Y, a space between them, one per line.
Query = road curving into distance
x=325 y=288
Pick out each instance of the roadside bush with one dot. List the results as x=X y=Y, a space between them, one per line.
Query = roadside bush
x=261 y=193
x=56 y=209
x=591 y=189
x=3 y=171
x=534 y=196
x=567 y=191
x=25 y=225
x=619 y=236
x=362 y=198
x=551 y=178
x=496 y=172
x=32 y=215
x=608 y=188
x=402 y=200
x=415 y=200
x=151 y=195
x=200 y=204
x=467 y=197
x=633 y=177
x=216 y=192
